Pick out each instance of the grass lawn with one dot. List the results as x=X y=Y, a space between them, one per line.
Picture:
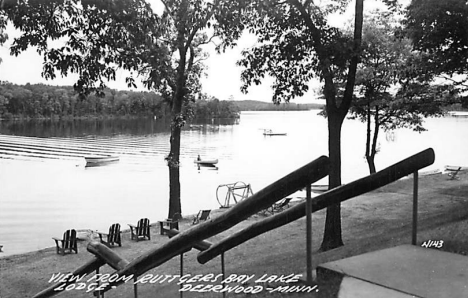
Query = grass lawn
x=373 y=221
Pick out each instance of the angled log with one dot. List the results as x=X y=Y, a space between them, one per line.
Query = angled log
x=87 y=268
x=276 y=191
x=334 y=196
x=109 y=256
x=200 y=245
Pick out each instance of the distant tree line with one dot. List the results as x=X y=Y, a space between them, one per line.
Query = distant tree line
x=255 y=105
x=40 y=101
x=211 y=107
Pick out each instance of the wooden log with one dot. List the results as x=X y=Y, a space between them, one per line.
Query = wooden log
x=87 y=268
x=108 y=255
x=322 y=201
x=285 y=186
x=200 y=245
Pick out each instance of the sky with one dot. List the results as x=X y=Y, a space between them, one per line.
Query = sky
x=222 y=80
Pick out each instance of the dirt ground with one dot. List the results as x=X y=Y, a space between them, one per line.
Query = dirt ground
x=370 y=222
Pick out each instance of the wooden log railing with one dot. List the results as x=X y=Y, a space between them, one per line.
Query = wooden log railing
x=193 y=237
x=334 y=196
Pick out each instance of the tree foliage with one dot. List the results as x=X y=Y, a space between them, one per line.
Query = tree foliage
x=439 y=30
x=89 y=38
x=393 y=90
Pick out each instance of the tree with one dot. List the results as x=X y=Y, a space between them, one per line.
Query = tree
x=295 y=44
x=394 y=91
x=102 y=36
x=5 y=4
x=3 y=35
x=439 y=30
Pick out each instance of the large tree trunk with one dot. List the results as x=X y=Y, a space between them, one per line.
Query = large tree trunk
x=174 y=173
x=332 y=234
x=336 y=112
x=173 y=159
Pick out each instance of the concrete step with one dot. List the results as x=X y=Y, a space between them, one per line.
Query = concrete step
x=402 y=271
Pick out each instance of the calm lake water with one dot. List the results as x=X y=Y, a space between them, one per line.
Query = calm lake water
x=41 y=197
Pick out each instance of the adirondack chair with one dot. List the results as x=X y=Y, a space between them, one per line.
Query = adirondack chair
x=141 y=230
x=113 y=237
x=171 y=223
x=201 y=216
x=68 y=243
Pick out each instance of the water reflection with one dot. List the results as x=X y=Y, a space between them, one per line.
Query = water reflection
x=104 y=127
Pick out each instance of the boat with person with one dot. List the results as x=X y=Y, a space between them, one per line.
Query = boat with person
x=269 y=132
x=100 y=160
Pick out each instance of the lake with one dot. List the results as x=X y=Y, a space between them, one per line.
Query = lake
x=42 y=194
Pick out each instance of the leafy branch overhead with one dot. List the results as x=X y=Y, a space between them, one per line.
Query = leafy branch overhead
x=89 y=38
x=96 y=38
x=291 y=48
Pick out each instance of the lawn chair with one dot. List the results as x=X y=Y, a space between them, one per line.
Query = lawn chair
x=280 y=206
x=202 y=215
x=113 y=237
x=171 y=223
x=454 y=174
x=68 y=243
x=141 y=230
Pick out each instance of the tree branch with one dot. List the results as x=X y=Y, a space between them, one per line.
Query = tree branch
x=456 y=83
x=200 y=25
x=329 y=91
x=351 y=78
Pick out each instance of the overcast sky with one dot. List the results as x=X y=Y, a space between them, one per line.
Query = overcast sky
x=222 y=81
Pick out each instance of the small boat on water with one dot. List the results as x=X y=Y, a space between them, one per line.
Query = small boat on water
x=206 y=162
x=95 y=161
x=209 y=163
x=269 y=132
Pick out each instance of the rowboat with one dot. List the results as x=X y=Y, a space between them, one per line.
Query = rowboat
x=458 y=114
x=206 y=162
x=269 y=132
x=318 y=188
x=95 y=161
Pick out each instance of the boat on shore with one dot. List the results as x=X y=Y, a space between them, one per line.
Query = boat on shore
x=458 y=113
x=269 y=132
x=455 y=168
x=318 y=188
x=96 y=161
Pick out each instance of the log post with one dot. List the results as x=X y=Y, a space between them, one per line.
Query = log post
x=414 y=234
x=309 y=234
